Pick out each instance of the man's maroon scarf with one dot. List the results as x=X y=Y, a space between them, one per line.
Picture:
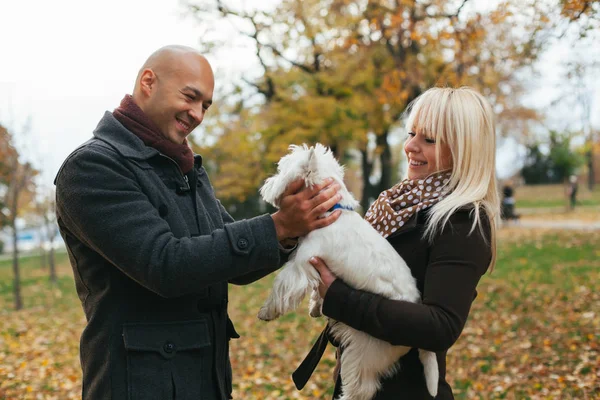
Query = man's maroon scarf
x=136 y=121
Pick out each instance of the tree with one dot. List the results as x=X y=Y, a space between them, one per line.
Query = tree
x=578 y=71
x=5 y=157
x=553 y=166
x=584 y=14
x=580 y=74
x=564 y=160
x=341 y=72
x=45 y=208
x=17 y=188
x=535 y=170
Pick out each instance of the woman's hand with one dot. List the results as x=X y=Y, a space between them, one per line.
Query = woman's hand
x=326 y=276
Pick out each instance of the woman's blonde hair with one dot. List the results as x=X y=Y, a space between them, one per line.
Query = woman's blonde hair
x=464 y=121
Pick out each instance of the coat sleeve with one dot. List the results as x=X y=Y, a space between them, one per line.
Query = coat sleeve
x=457 y=261
x=256 y=275
x=100 y=203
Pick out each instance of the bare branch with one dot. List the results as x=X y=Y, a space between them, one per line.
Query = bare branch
x=294 y=63
x=443 y=15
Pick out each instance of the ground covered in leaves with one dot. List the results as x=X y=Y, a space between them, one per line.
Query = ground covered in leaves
x=533 y=333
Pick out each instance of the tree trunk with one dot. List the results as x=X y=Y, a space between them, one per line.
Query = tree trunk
x=591 y=172
x=386 y=163
x=372 y=191
x=50 y=233
x=16 y=272
x=42 y=256
x=367 y=190
x=51 y=263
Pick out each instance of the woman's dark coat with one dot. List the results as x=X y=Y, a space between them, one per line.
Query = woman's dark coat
x=152 y=252
x=447 y=273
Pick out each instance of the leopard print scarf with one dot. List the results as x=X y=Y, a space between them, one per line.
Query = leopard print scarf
x=396 y=205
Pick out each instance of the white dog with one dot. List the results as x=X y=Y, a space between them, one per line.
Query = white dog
x=356 y=253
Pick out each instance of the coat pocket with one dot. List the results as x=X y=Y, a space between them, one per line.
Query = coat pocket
x=167 y=360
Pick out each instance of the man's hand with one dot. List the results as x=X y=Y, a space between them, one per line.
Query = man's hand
x=327 y=277
x=300 y=208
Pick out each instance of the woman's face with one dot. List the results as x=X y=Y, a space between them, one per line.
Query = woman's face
x=420 y=152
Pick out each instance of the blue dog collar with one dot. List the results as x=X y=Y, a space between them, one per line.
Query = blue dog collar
x=338 y=205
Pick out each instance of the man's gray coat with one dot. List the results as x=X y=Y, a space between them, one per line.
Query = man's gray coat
x=152 y=252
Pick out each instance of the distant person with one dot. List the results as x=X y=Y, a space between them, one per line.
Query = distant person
x=153 y=250
x=572 y=191
x=442 y=220
x=508 y=202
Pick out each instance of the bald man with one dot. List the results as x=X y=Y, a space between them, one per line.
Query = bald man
x=153 y=250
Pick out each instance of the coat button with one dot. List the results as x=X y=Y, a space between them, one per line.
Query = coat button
x=242 y=243
x=169 y=347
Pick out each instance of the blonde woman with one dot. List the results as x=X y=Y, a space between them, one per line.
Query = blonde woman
x=442 y=220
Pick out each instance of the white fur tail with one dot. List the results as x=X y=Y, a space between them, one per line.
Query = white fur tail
x=432 y=372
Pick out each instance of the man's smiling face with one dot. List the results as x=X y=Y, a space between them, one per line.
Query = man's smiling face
x=178 y=95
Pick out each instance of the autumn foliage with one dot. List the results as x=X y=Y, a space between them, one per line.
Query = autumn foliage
x=533 y=331
x=343 y=72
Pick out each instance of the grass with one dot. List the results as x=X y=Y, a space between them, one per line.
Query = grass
x=546 y=256
x=533 y=332
x=35 y=281
x=536 y=196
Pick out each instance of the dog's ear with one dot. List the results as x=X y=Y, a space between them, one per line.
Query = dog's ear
x=311 y=167
x=272 y=190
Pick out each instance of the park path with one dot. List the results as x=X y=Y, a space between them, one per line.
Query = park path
x=563 y=225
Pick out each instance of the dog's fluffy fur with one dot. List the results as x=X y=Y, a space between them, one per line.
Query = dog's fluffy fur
x=357 y=254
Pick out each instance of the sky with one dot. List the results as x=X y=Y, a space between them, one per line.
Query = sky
x=63 y=63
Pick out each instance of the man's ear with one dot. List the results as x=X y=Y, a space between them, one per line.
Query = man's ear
x=147 y=81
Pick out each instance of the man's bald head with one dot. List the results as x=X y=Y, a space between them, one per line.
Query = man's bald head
x=169 y=59
x=174 y=88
